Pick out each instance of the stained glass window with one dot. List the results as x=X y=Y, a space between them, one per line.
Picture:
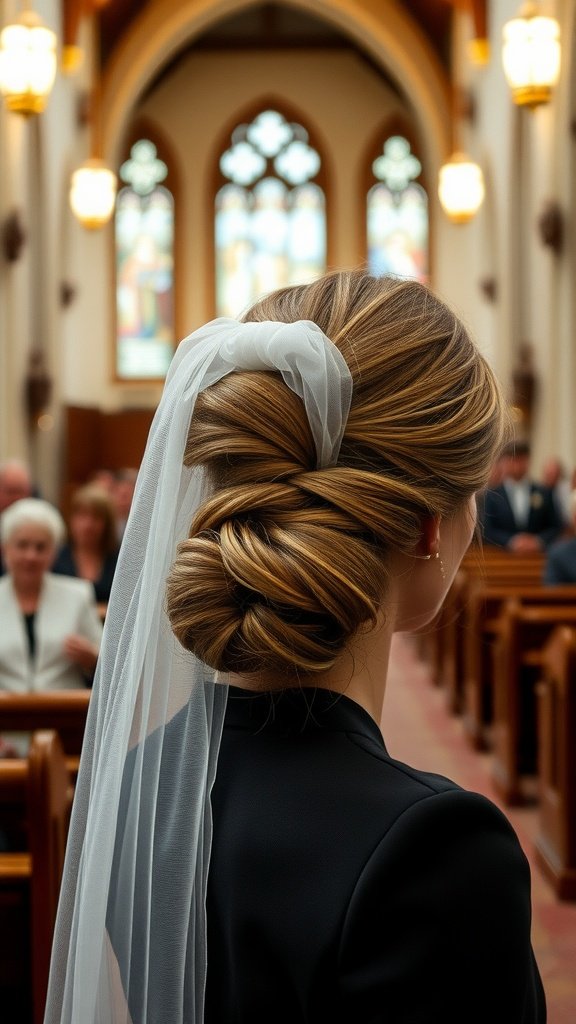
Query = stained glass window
x=270 y=219
x=144 y=233
x=397 y=214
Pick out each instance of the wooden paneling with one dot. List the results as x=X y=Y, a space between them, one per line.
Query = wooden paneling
x=94 y=439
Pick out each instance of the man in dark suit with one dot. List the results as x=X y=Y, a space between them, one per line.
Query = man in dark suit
x=519 y=514
x=560 y=566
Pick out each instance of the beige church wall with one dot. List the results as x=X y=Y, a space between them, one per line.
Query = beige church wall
x=61 y=148
x=30 y=176
x=465 y=253
x=14 y=288
x=38 y=155
x=546 y=284
x=563 y=268
x=520 y=152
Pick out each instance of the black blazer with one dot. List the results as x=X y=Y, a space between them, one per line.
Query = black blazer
x=345 y=886
x=499 y=525
x=560 y=565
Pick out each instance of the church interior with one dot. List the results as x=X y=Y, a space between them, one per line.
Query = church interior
x=166 y=162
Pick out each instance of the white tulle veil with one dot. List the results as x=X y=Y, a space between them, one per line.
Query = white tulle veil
x=106 y=964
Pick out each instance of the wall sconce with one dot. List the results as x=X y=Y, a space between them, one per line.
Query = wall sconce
x=531 y=56
x=27 y=64
x=489 y=287
x=13 y=236
x=551 y=226
x=93 y=193
x=479 y=45
x=524 y=387
x=460 y=180
x=93 y=186
x=460 y=188
x=37 y=386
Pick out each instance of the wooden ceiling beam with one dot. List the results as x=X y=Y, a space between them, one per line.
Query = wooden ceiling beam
x=72 y=13
x=478 y=9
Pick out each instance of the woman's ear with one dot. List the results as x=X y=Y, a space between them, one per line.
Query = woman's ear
x=429 y=544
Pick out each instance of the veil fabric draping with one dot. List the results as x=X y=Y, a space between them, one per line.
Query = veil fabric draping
x=106 y=964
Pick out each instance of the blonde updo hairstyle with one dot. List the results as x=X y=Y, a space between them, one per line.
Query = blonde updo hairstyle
x=285 y=562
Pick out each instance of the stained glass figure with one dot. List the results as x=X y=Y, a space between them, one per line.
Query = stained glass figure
x=397 y=214
x=144 y=235
x=270 y=219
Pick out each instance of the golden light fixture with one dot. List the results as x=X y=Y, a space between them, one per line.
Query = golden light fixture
x=93 y=193
x=531 y=55
x=27 y=64
x=72 y=59
x=479 y=52
x=460 y=188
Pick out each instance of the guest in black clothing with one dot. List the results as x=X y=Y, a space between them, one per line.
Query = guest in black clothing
x=254 y=853
x=560 y=565
x=519 y=514
x=555 y=476
x=92 y=549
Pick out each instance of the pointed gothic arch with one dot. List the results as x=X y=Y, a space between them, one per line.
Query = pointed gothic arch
x=270 y=161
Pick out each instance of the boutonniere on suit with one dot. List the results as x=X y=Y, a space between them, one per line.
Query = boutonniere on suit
x=536 y=501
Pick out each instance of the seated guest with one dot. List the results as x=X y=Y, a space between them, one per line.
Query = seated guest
x=51 y=632
x=495 y=478
x=560 y=565
x=122 y=494
x=103 y=478
x=556 y=477
x=92 y=549
x=518 y=513
x=15 y=483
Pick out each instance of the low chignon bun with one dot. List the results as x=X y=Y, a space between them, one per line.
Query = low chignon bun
x=285 y=563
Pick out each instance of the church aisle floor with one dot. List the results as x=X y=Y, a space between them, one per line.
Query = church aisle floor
x=418 y=729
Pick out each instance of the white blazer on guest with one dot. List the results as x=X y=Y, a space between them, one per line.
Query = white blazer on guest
x=67 y=605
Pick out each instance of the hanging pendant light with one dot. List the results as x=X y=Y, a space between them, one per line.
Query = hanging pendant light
x=93 y=193
x=460 y=188
x=27 y=64
x=531 y=56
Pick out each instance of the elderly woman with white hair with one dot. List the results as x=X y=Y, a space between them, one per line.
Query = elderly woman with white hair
x=51 y=631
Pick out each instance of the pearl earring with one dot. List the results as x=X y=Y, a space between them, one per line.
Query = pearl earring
x=436 y=556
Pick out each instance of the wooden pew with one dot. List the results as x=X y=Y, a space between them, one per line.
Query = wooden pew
x=482 y=606
x=62 y=710
x=450 y=644
x=36 y=793
x=440 y=643
x=523 y=632
x=555 y=844
x=479 y=567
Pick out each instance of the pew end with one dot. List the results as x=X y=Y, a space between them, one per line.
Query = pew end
x=37 y=790
x=555 y=844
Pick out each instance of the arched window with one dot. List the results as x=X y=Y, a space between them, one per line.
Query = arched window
x=397 y=214
x=144 y=236
x=270 y=220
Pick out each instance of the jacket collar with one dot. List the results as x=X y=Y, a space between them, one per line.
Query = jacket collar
x=298 y=711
